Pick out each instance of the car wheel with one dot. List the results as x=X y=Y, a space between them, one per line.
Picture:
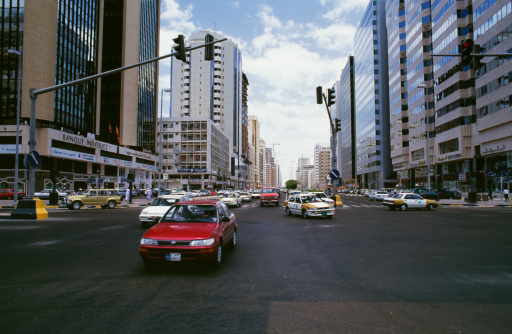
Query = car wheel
x=261 y=203
x=305 y=214
x=430 y=207
x=234 y=240
x=111 y=204
x=149 y=264
x=277 y=203
x=217 y=261
x=288 y=212
x=144 y=224
x=403 y=207
x=76 y=205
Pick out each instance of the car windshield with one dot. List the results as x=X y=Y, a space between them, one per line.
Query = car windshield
x=191 y=213
x=268 y=191
x=227 y=195
x=163 y=202
x=321 y=195
x=397 y=196
x=309 y=199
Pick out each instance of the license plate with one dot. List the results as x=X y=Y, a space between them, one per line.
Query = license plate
x=324 y=213
x=173 y=256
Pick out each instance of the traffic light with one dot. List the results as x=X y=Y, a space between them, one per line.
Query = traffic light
x=466 y=50
x=331 y=97
x=208 y=50
x=319 y=95
x=337 y=124
x=477 y=58
x=179 y=47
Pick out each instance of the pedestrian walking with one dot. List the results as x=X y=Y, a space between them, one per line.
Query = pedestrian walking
x=505 y=194
x=149 y=193
x=128 y=194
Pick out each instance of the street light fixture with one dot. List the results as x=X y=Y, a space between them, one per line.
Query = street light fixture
x=16 y=160
x=424 y=86
x=167 y=90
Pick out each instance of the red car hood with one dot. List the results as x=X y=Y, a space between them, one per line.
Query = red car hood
x=180 y=231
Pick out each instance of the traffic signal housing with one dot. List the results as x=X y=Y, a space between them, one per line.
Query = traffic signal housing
x=466 y=50
x=179 y=47
x=331 y=97
x=319 y=95
x=337 y=125
x=477 y=57
x=208 y=50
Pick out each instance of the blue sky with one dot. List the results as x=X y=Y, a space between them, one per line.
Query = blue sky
x=288 y=48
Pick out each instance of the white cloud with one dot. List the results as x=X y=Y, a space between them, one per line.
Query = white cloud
x=339 y=8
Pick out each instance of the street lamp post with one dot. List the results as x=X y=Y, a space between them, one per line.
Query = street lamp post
x=424 y=86
x=167 y=90
x=16 y=160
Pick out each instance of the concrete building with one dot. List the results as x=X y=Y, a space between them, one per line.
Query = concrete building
x=373 y=161
x=102 y=129
x=195 y=154
x=320 y=167
x=254 y=140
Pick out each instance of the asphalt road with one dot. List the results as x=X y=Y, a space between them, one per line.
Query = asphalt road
x=368 y=270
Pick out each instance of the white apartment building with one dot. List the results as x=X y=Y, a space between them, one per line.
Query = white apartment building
x=195 y=154
x=211 y=89
x=321 y=169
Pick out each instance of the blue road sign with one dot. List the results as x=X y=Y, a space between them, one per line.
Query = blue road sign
x=334 y=174
x=34 y=159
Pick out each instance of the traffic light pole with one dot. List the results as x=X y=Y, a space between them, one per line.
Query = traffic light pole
x=33 y=93
x=328 y=113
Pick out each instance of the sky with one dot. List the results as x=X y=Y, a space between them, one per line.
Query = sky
x=289 y=47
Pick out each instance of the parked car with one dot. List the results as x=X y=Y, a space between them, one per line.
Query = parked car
x=106 y=198
x=449 y=194
x=269 y=195
x=9 y=194
x=406 y=201
x=190 y=231
x=45 y=194
x=157 y=208
x=308 y=205
x=425 y=193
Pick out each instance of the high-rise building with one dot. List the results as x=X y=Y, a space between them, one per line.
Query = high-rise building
x=254 y=140
x=346 y=138
x=492 y=140
x=372 y=99
x=319 y=167
x=104 y=128
x=212 y=89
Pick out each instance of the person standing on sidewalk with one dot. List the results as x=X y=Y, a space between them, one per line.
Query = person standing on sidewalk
x=505 y=193
x=149 y=193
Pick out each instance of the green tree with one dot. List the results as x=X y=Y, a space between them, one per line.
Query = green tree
x=292 y=184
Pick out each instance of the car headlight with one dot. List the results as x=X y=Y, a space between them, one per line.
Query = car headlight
x=148 y=242
x=206 y=242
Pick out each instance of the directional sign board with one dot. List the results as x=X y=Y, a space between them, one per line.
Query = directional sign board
x=33 y=159
x=334 y=174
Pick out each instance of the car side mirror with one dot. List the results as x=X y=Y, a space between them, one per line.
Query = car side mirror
x=224 y=219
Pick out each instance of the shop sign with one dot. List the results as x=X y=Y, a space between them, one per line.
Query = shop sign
x=144 y=166
x=57 y=152
x=449 y=157
x=462 y=176
x=9 y=149
x=399 y=166
x=116 y=162
x=137 y=154
x=192 y=170
x=88 y=142
x=489 y=150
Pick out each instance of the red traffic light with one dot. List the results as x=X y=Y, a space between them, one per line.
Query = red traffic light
x=468 y=43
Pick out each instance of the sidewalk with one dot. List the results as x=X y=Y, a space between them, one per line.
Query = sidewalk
x=136 y=202
x=462 y=202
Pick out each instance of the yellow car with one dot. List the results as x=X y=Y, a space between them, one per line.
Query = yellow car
x=308 y=205
x=106 y=198
x=404 y=201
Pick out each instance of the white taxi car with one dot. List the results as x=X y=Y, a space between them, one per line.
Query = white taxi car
x=308 y=205
x=404 y=201
x=231 y=199
x=245 y=196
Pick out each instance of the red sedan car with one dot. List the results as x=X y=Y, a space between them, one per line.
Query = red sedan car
x=190 y=231
x=9 y=194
